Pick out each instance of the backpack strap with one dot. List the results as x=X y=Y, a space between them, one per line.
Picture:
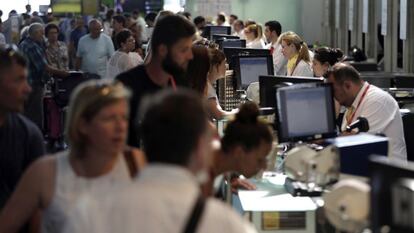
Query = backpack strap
x=131 y=163
x=196 y=214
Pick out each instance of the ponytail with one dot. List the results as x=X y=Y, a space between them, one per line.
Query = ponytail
x=303 y=53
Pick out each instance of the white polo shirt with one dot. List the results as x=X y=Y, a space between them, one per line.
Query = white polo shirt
x=383 y=115
x=279 y=61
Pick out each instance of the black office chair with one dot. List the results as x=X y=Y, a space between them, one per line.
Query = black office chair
x=408 y=123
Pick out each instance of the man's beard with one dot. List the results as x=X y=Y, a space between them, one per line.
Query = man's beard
x=171 y=67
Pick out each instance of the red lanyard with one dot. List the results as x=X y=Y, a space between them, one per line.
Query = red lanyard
x=272 y=50
x=359 y=103
x=173 y=84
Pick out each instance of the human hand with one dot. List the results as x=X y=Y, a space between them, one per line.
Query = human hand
x=238 y=183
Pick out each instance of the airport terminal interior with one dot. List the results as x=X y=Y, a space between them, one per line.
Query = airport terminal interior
x=268 y=116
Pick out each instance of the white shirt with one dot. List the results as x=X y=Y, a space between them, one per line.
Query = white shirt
x=303 y=69
x=95 y=53
x=70 y=188
x=240 y=34
x=160 y=201
x=121 y=62
x=211 y=91
x=383 y=115
x=256 y=44
x=279 y=61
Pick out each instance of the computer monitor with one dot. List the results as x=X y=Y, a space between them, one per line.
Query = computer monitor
x=232 y=53
x=217 y=37
x=231 y=43
x=268 y=85
x=249 y=68
x=386 y=176
x=305 y=112
x=211 y=30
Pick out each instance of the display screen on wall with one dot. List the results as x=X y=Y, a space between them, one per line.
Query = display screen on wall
x=64 y=6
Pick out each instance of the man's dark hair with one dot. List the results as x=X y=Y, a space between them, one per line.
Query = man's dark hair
x=221 y=17
x=151 y=16
x=169 y=30
x=49 y=27
x=234 y=16
x=120 y=19
x=199 y=19
x=274 y=26
x=9 y=56
x=172 y=125
x=122 y=37
x=342 y=72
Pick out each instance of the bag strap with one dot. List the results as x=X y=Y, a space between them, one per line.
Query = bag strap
x=131 y=163
x=196 y=214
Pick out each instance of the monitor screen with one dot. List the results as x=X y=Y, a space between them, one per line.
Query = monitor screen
x=305 y=112
x=388 y=194
x=232 y=43
x=232 y=53
x=211 y=30
x=249 y=68
x=268 y=85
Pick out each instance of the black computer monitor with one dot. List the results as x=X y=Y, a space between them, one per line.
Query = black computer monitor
x=217 y=37
x=249 y=68
x=268 y=85
x=386 y=176
x=231 y=53
x=305 y=112
x=211 y=30
x=231 y=43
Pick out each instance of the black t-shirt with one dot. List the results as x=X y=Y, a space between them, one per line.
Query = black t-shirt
x=21 y=142
x=139 y=82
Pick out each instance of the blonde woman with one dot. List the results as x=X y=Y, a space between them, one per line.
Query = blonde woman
x=296 y=51
x=254 y=36
x=96 y=129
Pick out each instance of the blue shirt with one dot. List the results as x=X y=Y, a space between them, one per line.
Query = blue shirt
x=35 y=53
x=95 y=53
x=76 y=34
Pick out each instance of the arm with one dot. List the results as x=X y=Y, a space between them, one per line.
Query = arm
x=79 y=55
x=27 y=198
x=215 y=109
x=53 y=71
x=78 y=63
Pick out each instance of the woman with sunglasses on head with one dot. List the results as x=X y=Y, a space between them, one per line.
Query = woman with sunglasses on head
x=296 y=51
x=98 y=159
